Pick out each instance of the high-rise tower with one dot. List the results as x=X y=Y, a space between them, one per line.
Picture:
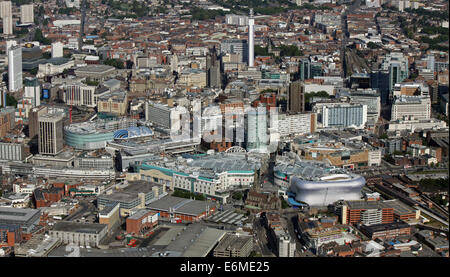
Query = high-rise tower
x=15 y=68
x=251 y=43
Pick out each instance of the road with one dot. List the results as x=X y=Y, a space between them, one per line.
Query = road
x=261 y=238
x=85 y=206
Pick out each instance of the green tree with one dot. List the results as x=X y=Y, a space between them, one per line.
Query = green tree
x=10 y=100
x=372 y=45
x=117 y=63
x=284 y=204
x=38 y=36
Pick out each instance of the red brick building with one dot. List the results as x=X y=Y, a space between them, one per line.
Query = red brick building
x=46 y=197
x=187 y=210
x=141 y=222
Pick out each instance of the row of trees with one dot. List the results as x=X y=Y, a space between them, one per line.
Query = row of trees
x=187 y=194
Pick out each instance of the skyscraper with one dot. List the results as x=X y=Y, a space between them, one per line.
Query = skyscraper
x=213 y=70
x=50 y=136
x=5 y=9
x=296 y=97
x=15 y=68
x=26 y=14
x=7 y=25
x=251 y=44
x=33 y=91
x=257 y=138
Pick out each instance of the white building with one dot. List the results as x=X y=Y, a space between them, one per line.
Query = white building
x=15 y=68
x=53 y=67
x=411 y=107
x=5 y=9
x=57 y=50
x=296 y=124
x=257 y=138
x=26 y=14
x=32 y=91
x=343 y=115
x=80 y=95
x=7 y=25
x=286 y=247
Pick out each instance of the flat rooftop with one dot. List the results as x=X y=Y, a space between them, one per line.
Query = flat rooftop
x=78 y=227
x=16 y=215
x=181 y=205
x=140 y=213
x=232 y=242
x=94 y=68
x=399 y=207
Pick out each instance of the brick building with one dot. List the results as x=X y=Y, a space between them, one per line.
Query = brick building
x=187 y=210
x=264 y=201
x=46 y=197
x=386 y=230
x=141 y=222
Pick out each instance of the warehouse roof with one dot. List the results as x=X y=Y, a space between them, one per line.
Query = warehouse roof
x=13 y=214
x=75 y=227
x=204 y=243
x=181 y=205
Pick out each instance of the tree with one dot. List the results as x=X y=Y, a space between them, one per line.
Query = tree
x=38 y=36
x=284 y=204
x=10 y=100
x=115 y=62
x=372 y=45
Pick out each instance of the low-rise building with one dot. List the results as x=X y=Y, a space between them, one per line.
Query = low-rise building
x=234 y=245
x=81 y=234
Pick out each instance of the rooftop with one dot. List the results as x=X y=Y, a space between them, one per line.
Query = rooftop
x=181 y=205
x=13 y=214
x=75 y=227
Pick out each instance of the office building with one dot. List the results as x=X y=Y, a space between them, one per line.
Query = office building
x=26 y=14
x=163 y=115
x=81 y=234
x=370 y=98
x=257 y=137
x=12 y=151
x=80 y=94
x=5 y=9
x=343 y=115
x=7 y=25
x=398 y=67
x=50 y=136
x=296 y=97
x=234 y=245
x=305 y=69
x=57 y=50
x=32 y=91
x=233 y=19
x=297 y=124
x=235 y=46
x=15 y=68
x=411 y=107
